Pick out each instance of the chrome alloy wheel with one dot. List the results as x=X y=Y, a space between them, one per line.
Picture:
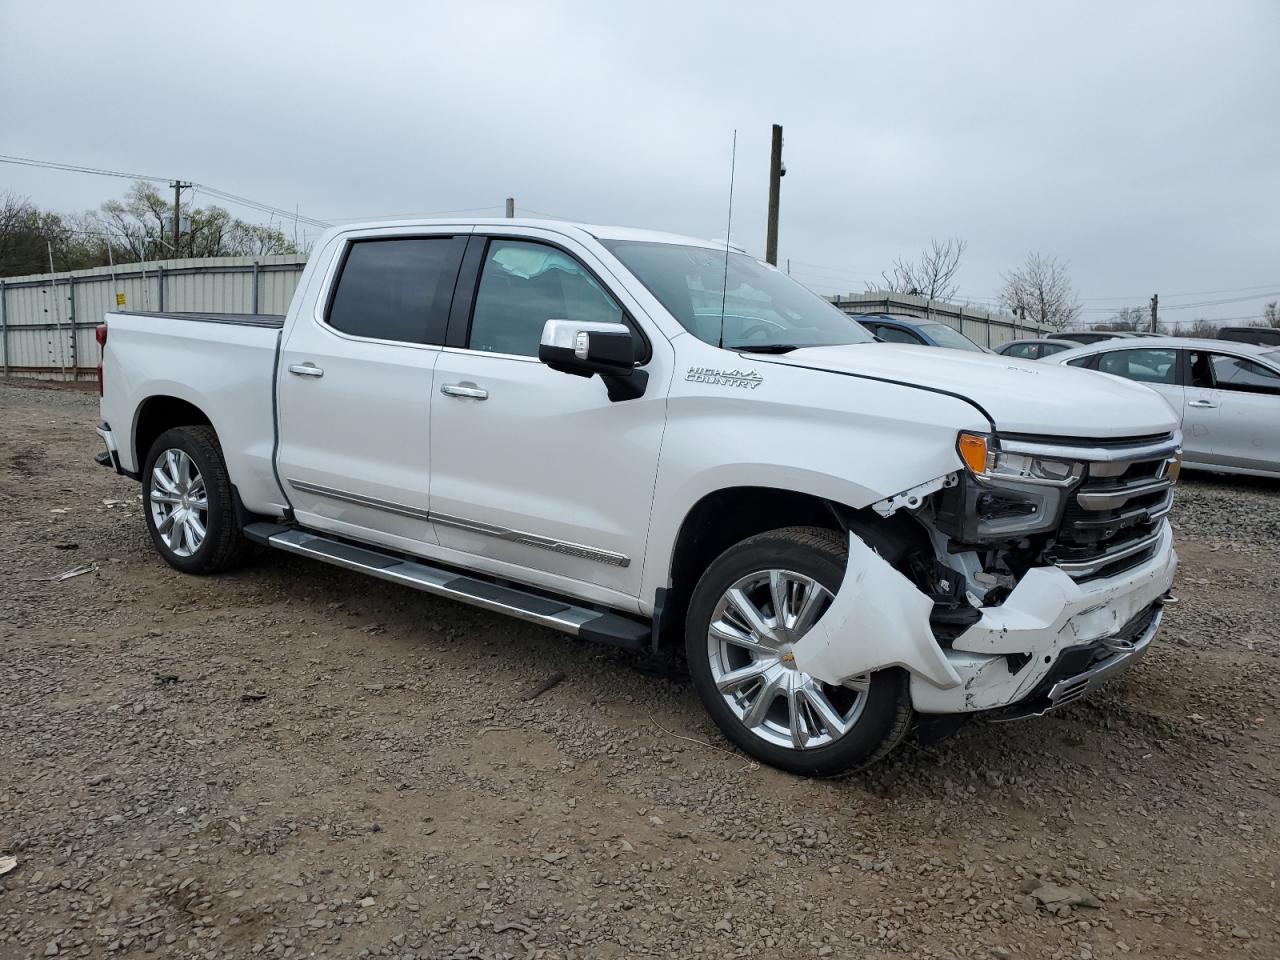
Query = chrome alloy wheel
x=754 y=627
x=179 y=502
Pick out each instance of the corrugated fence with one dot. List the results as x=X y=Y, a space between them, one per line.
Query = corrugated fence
x=984 y=327
x=47 y=321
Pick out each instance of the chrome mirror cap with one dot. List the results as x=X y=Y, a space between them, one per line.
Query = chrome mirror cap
x=575 y=335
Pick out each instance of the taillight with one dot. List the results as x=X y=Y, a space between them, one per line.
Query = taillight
x=100 y=334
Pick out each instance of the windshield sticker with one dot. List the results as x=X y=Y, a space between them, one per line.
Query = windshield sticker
x=745 y=379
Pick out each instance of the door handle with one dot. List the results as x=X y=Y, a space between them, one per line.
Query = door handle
x=305 y=370
x=458 y=390
x=1202 y=404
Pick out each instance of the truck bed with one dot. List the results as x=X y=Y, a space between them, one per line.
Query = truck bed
x=220 y=363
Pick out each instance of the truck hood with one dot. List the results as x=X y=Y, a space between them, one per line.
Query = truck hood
x=1021 y=396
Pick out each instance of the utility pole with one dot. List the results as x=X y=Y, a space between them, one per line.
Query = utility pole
x=177 y=220
x=776 y=172
x=511 y=207
x=1155 y=309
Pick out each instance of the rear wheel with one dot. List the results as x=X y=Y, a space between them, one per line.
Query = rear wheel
x=745 y=616
x=188 y=503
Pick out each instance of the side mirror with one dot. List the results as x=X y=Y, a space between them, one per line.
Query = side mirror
x=585 y=348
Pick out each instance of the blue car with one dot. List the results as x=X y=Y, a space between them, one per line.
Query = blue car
x=927 y=333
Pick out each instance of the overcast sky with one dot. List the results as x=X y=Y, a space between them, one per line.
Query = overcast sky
x=1140 y=142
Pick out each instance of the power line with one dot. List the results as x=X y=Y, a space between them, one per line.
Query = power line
x=212 y=191
x=75 y=168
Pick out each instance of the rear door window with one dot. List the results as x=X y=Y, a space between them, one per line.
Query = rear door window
x=1146 y=366
x=1245 y=376
x=1049 y=349
x=396 y=289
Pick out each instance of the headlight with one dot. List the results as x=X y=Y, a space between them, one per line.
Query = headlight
x=984 y=459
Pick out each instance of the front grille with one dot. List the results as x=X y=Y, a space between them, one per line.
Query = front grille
x=1112 y=519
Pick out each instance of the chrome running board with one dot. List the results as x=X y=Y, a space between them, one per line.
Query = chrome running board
x=611 y=628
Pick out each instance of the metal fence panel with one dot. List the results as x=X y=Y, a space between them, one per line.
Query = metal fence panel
x=985 y=327
x=48 y=322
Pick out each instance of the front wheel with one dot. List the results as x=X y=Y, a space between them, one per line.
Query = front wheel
x=188 y=504
x=745 y=616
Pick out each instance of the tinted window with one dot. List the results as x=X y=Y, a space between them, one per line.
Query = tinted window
x=759 y=307
x=1049 y=349
x=1236 y=373
x=395 y=289
x=1080 y=361
x=522 y=286
x=895 y=335
x=1148 y=366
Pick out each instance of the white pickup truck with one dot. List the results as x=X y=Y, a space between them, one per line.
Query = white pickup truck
x=642 y=439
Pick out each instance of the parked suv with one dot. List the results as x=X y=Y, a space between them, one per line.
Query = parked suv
x=641 y=439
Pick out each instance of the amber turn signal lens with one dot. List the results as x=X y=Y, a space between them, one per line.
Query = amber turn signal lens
x=973 y=451
x=1175 y=467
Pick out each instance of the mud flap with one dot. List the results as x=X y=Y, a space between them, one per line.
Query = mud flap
x=878 y=619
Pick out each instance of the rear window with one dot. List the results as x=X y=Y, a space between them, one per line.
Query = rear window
x=396 y=289
x=945 y=336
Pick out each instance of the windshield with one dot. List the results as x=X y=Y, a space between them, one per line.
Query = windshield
x=945 y=336
x=762 y=308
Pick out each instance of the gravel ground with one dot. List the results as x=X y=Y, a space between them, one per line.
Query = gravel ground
x=293 y=760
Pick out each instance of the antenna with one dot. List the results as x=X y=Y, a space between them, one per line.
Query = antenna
x=728 y=232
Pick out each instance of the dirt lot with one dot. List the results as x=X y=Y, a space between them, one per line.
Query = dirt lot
x=294 y=760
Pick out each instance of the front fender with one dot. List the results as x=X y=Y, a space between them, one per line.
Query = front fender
x=878 y=619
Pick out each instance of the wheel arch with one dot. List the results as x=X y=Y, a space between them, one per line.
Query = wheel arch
x=158 y=413
x=729 y=515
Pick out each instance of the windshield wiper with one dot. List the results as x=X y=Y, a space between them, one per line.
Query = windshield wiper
x=768 y=348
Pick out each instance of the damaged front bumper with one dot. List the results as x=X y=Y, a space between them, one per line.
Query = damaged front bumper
x=1053 y=640
x=1050 y=642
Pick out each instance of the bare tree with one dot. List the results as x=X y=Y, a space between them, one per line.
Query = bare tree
x=1200 y=328
x=1128 y=319
x=1042 y=290
x=933 y=275
x=1271 y=314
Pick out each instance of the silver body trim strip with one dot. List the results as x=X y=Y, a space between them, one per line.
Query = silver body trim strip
x=566 y=547
x=360 y=500
x=534 y=540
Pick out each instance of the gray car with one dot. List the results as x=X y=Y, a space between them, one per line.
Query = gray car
x=1227 y=394
x=1033 y=349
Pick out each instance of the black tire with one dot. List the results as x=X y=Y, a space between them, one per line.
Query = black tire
x=819 y=554
x=223 y=546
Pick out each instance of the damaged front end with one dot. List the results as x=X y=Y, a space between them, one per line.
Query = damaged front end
x=1047 y=566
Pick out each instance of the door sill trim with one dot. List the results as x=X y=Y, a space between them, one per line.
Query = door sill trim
x=567 y=547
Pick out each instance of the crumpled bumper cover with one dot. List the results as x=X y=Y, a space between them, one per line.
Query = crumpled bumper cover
x=879 y=619
x=1047 y=614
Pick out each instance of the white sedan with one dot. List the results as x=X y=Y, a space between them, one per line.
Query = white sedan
x=1227 y=394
